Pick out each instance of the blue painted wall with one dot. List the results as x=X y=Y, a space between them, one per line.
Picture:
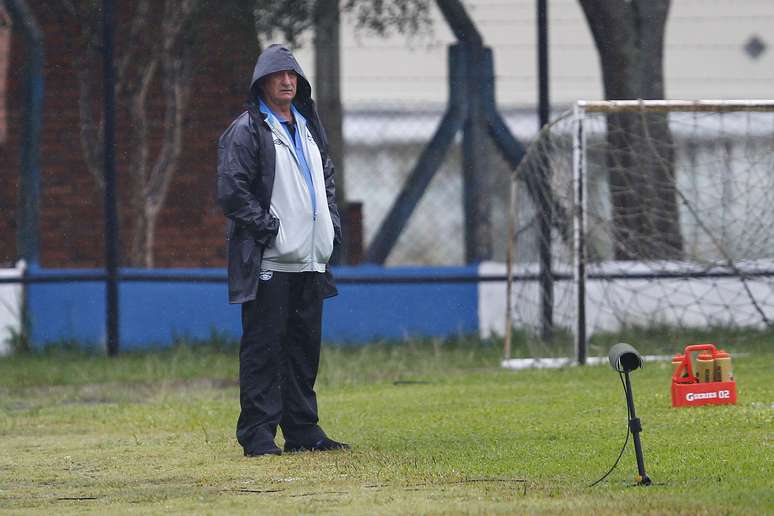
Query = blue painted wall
x=155 y=313
x=364 y=312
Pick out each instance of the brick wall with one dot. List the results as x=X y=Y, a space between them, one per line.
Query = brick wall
x=5 y=53
x=191 y=229
x=8 y=159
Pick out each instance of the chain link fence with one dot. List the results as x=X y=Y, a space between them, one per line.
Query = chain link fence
x=382 y=145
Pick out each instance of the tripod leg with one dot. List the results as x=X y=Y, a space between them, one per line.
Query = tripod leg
x=636 y=427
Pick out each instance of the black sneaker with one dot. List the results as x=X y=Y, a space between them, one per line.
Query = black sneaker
x=324 y=444
x=259 y=453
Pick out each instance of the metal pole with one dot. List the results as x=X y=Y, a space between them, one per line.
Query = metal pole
x=545 y=203
x=327 y=85
x=544 y=106
x=475 y=169
x=111 y=212
x=512 y=225
x=27 y=243
x=579 y=193
x=476 y=184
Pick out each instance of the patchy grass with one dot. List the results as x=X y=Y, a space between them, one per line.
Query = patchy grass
x=436 y=428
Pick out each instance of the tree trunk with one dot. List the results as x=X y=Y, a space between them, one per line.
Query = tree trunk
x=176 y=62
x=640 y=149
x=327 y=87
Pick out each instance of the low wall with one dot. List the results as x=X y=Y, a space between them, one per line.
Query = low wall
x=372 y=306
x=614 y=304
x=154 y=313
x=10 y=309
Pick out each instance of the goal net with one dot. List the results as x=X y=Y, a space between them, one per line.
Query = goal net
x=642 y=215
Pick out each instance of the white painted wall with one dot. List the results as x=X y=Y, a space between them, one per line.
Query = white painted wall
x=10 y=299
x=704 y=55
x=611 y=305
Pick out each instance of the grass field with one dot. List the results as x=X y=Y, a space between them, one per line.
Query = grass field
x=436 y=428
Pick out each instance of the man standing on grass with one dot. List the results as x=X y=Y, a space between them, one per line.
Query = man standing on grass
x=275 y=185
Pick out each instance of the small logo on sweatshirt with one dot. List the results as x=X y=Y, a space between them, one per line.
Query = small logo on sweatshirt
x=265 y=275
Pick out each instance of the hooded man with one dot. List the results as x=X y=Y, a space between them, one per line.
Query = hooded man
x=275 y=185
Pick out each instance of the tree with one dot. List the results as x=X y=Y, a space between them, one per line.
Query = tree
x=629 y=36
x=142 y=63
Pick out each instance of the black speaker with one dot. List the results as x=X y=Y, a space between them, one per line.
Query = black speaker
x=624 y=358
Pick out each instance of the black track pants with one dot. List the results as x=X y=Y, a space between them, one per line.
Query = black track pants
x=278 y=359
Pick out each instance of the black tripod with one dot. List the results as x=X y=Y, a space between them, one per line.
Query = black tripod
x=636 y=427
x=625 y=359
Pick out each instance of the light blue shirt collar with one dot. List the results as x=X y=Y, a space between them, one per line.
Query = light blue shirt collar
x=300 y=120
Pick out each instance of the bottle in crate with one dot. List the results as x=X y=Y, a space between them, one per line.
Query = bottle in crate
x=723 y=371
x=705 y=368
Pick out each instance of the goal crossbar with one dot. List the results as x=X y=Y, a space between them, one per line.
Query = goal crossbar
x=657 y=106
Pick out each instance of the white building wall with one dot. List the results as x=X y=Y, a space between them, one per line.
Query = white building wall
x=704 y=55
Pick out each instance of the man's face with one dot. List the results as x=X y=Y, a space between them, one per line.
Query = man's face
x=279 y=88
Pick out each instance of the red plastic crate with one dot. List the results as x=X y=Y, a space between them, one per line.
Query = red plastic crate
x=687 y=392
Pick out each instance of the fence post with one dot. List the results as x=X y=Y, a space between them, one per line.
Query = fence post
x=579 y=215
x=545 y=213
x=475 y=162
x=111 y=212
x=478 y=227
x=327 y=85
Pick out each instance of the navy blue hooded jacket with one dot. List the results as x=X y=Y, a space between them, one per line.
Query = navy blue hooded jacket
x=246 y=166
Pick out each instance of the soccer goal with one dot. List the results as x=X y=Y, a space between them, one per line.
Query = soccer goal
x=654 y=213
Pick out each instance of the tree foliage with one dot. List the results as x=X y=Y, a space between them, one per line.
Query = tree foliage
x=291 y=19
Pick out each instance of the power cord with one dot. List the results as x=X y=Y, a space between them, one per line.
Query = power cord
x=626 y=441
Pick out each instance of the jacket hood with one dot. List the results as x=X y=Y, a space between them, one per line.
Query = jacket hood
x=276 y=58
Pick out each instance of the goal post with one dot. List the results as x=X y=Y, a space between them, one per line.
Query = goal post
x=579 y=232
x=662 y=215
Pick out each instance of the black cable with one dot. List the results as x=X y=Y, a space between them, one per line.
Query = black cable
x=626 y=441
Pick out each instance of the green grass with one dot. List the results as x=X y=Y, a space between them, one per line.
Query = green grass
x=436 y=426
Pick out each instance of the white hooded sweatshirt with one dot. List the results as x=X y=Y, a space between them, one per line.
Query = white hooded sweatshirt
x=304 y=242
